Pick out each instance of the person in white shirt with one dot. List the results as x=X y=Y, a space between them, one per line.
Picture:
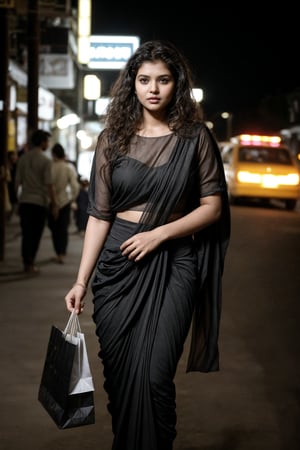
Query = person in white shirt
x=34 y=186
x=66 y=189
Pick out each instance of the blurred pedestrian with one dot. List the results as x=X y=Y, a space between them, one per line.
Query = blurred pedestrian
x=11 y=182
x=5 y=179
x=155 y=244
x=66 y=189
x=35 y=189
x=81 y=205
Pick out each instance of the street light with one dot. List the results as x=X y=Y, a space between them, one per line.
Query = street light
x=91 y=87
x=228 y=117
x=197 y=94
x=91 y=90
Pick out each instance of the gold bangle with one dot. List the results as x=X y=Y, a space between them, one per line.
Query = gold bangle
x=80 y=284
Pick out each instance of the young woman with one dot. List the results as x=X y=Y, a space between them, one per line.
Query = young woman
x=155 y=243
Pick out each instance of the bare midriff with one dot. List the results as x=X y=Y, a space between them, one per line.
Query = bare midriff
x=135 y=216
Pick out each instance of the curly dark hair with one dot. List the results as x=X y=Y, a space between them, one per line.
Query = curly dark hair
x=124 y=113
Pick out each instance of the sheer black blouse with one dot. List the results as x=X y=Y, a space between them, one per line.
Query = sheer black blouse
x=131 y=181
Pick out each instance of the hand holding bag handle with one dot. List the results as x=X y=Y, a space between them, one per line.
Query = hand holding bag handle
x=73 y=325
x=81 y=377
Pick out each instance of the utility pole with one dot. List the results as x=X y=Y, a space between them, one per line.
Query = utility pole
x=33 y=36
x=3 y=123
x=32 y=94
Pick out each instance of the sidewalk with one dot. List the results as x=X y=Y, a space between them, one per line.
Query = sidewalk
x=29 y=306
x=11 y=268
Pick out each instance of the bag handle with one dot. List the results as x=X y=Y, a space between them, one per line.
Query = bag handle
x=73 y=325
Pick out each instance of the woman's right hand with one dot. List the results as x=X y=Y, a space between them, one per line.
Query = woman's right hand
x=75 y=298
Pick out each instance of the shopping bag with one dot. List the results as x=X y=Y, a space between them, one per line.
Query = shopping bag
x=66 y=389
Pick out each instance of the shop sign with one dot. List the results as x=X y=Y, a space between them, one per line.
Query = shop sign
x=56 y=71
x=111 y=52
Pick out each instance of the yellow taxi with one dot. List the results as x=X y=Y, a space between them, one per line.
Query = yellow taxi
x=260 y=167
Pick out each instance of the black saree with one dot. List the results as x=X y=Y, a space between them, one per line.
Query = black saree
x=143 y=311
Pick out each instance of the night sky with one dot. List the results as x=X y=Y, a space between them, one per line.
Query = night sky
x=238 y=57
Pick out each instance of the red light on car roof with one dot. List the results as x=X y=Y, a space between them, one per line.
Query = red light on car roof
x=256 y=139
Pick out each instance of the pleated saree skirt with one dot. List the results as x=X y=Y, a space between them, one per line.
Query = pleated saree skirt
x=143 y=313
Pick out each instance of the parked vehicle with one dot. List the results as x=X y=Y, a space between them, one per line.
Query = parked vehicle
x=260 y=167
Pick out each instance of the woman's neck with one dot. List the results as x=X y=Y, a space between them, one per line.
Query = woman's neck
x=153 y=128
x=153 y=125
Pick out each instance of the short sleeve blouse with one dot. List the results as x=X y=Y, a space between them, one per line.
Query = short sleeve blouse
x=129 y=182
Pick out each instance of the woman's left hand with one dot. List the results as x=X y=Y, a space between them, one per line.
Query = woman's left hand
x=140 y=244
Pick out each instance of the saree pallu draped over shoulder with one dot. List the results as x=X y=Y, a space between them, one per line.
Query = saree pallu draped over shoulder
x=143 y=312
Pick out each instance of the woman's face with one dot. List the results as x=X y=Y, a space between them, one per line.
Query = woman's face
x=154 y=86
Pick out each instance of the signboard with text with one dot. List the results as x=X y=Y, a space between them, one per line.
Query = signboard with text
x=111 y=52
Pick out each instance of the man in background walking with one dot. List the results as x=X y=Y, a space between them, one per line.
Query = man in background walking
x=35 y=187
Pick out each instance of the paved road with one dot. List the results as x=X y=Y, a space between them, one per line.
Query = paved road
x=245 y=406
